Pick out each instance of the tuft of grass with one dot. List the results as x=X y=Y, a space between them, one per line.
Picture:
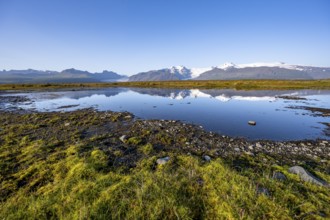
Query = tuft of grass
x=134 y=141
x=146 y=149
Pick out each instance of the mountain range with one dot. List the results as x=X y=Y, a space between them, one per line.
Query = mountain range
x=227 y=71
x=65 y=76
x=230 y=71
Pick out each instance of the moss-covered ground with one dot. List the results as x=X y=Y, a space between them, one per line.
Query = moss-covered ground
x=183 y=84
x=101 y=165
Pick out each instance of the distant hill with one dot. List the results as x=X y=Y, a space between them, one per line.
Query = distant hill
x=65 y=76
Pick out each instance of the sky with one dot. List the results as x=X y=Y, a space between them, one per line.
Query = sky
x=131 y=36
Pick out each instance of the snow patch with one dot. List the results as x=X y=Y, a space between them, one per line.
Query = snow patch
x=177 y=69
x=229 y=65
x=179 y=96
x=196 y=93
x=196 y=72
x=254 y=98
x=223 y=98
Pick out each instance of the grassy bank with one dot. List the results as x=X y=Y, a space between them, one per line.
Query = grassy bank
x=213 y=84
x=79 y=166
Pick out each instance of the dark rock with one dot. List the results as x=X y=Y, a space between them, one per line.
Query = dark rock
x=263 y=190
x=67 y=106
x=291 y=97
x=207 y=158
x=279 y=176
x=200 y=181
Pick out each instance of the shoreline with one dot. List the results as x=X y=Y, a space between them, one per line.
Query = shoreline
x=172 y=135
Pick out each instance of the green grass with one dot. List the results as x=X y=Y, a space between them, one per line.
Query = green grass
x=207 y=84
x=72 y=186
x=62 y=176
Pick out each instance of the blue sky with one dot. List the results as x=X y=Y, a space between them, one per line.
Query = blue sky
x=130 y=36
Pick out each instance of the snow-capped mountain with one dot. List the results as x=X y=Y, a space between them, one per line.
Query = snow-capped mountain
x=229 y=71
x=277 y=70
x=181 y=70
x=173 y=73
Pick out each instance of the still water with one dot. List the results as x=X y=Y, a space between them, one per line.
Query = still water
x=223 y=111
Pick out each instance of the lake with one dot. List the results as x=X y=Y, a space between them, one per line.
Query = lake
x=280 y=115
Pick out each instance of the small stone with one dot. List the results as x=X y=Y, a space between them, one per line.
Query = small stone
x=237 y=149
x=306 y=176
x=249 y=153
x=263 y=190
x=258 y=145
x=252 y=123
x=250 y=147
x=163 y=160
x=207 y=158
x=279 y=176
x=200 y=181
x=123 y=138
x=67 y=124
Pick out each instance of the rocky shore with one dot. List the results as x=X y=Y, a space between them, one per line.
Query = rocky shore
x=119 y=133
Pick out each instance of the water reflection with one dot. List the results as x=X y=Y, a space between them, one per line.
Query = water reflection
x=223 y=111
